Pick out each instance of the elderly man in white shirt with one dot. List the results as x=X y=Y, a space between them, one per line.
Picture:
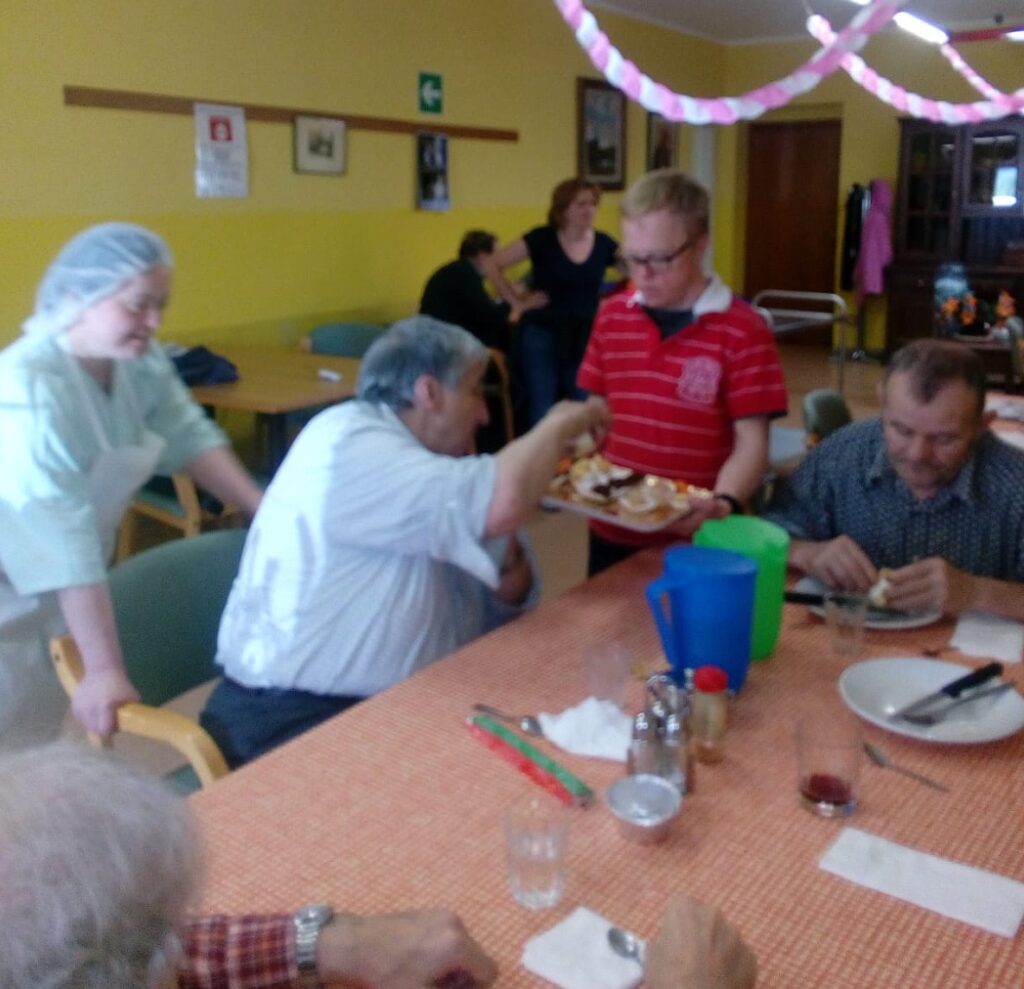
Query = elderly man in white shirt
x=382 y=544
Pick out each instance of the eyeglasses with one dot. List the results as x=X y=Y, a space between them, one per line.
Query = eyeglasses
x=655 y=263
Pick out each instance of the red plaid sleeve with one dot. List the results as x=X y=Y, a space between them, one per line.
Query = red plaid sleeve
x=248 y=952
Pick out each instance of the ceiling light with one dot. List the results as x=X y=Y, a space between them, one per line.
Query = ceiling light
x=921 y=29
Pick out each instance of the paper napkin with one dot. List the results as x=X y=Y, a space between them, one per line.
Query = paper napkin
x=575 y=954
x=980 y=634
x=592 y=728
x=985 y=899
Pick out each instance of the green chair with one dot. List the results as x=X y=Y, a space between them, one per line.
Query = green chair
x=342 y=339
x=825 y=411
x=167 y=605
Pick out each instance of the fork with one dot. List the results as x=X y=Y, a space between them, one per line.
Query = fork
x=879 y=758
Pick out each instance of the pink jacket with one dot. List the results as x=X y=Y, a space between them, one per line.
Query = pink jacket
x=875 y=242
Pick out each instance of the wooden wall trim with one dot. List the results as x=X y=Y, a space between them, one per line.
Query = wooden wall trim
x=122 y=99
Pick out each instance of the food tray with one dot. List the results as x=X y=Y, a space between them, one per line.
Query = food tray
x=562 y=494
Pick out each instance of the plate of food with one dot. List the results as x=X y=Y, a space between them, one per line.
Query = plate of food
x=877 y=688
x=878 y=616
x=594 y=486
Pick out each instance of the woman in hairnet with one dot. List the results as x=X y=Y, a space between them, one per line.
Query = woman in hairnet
x=90 y=408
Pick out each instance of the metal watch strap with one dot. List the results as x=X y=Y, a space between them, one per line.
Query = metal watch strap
x=309 y=921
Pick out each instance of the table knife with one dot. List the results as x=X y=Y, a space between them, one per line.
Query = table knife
x=818 y=601
x=950 y=691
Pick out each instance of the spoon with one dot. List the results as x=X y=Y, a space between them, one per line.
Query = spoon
x=524 y=722
x=879 y=758
x=627 y=944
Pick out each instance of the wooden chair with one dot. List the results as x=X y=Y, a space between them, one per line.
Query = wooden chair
x=181 y=510
x=167 y=605
x=341 y=339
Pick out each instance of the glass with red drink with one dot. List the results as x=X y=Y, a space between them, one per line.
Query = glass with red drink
x=829 y=747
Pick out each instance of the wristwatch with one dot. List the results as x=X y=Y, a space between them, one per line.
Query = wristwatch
x=309 y=921
x=734 y=504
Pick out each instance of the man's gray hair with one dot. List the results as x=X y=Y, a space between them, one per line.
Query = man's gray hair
x=98 y=865
x=411 y=348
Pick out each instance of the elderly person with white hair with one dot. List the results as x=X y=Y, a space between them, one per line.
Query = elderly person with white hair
x=99 y=866
x=90 y=409
x=382 y=543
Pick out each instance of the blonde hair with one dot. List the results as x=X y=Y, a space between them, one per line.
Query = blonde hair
x=672 y=190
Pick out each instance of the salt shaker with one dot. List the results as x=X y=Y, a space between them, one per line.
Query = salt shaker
x=709 y=712
x=644 y=747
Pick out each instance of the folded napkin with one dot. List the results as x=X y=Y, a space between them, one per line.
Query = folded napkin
x=992 y=902
x=594 y=728
x=575 y=954
x=980 y=634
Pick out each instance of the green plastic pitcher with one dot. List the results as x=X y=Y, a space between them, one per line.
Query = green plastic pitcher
x=767 y=545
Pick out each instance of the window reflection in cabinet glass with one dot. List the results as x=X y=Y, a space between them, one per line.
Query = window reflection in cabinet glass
x=993 y=169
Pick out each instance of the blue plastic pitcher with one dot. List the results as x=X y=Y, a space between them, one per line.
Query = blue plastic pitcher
x=710 y=616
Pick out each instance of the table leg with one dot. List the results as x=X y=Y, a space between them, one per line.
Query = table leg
x=277 y=439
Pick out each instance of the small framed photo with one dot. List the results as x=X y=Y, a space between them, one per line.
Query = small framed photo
x=319 y=145
x=600 y=133
x=662 y=143
x=432 y=191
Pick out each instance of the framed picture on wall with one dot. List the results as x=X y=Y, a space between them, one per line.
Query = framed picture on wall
x=600 y=133
x=662 y=143
x=319 y=145
x=432 y=172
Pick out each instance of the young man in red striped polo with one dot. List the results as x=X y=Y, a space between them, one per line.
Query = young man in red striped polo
x=691 y=373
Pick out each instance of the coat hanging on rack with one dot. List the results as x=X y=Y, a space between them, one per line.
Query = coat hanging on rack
x=875 y=242
x=856 y=202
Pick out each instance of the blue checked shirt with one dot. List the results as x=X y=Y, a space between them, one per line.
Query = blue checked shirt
x=847 y=486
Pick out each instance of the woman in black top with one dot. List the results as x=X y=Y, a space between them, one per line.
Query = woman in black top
x=568 y=259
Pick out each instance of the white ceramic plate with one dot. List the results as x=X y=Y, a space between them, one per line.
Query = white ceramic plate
x=876 y=618
x=877 y=688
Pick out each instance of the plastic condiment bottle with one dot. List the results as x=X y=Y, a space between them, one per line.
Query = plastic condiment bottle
x=709 y=712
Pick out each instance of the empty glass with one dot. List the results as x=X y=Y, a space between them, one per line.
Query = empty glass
x=536 y=836
x=845 y=615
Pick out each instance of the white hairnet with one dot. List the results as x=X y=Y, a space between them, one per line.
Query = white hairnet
x=90 y=267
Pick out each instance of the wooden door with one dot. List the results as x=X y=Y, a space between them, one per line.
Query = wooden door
x=792 y=211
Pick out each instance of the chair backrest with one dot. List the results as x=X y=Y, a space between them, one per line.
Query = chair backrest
x=825 y=411
x=167 y=604
x=343 y=339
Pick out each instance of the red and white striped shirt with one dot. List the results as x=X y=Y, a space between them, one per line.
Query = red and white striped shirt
x=674 y=401
x=246 y=952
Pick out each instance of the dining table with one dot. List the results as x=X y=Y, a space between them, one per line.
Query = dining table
x=273 y=383
x=394 y=805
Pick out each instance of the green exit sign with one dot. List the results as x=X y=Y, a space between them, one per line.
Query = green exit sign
x=431 y=92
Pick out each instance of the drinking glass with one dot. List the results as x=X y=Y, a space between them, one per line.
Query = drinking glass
x=845 y=616
x=829 y=746
x=536 y=836
x=607 y=667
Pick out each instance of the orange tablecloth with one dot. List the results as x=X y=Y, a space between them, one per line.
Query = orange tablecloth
x=393 y=805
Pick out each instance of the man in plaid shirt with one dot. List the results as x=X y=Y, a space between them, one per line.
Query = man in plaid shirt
x=99 y=864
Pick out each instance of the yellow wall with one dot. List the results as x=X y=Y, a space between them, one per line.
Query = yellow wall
x=301 y=247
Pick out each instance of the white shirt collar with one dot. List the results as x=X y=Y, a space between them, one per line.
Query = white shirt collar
x=716 y=297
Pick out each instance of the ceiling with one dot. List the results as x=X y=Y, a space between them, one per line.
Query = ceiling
x=737 y=21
